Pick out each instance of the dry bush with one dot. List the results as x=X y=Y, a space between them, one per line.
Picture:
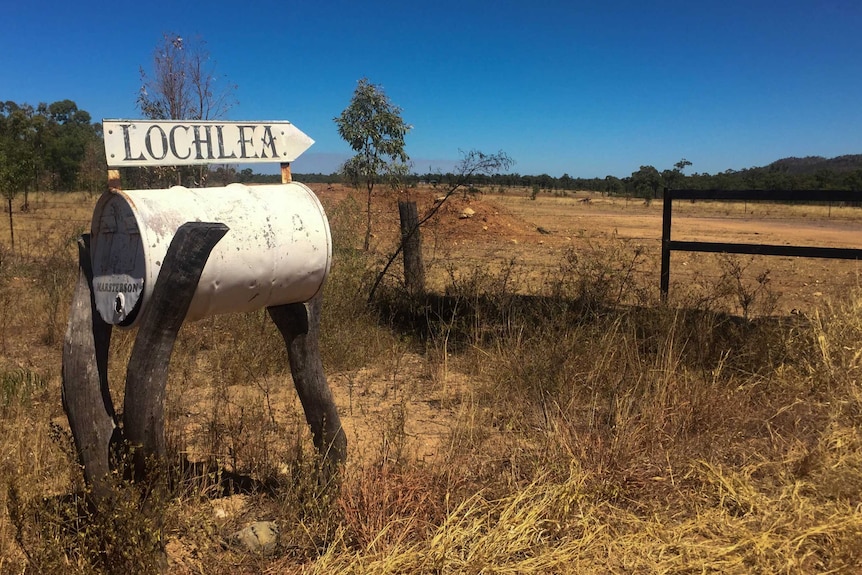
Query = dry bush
x=345 y=315
x=383 y=505
x=123 y=534
x=55 y=278
x=601 y=276
x=736 y=288
x=638 y=397
x=8 y=294
x=522 y=533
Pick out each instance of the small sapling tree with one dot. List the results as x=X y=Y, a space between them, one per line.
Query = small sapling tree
x=373 y=127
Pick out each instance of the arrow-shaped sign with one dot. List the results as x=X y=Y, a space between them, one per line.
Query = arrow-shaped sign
x=179 y=143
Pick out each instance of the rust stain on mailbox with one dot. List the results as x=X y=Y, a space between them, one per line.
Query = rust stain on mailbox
x=278 y=249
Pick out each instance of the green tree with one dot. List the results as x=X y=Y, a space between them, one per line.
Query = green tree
x=18 y=158
x=613 y=185
x=681 y=165
x=53 y=146
x=670 y=178
x=853 y=180
x=373 y=127
x=93 y=170
x=646 y=182
x=675 y=176
x=65 y=136
x=225 y=174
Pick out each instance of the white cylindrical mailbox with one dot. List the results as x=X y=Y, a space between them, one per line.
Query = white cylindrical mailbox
x=278 y=249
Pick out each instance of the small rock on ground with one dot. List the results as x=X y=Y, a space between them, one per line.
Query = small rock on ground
x=260 y=537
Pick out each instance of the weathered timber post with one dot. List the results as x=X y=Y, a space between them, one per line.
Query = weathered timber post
x=299 y=324
x=146 y=378
x=414 y=270
x=85 y=393
x=667 y=214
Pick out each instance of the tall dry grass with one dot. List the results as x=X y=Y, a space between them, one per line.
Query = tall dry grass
x=589 y=429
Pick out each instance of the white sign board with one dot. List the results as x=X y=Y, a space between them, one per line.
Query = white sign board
x=187 y=142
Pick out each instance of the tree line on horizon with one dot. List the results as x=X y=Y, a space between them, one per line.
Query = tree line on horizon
x=57 y=147
x=810 y=173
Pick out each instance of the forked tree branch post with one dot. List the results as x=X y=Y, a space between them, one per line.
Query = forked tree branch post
x=146 y=377
x=85 y=393
x=299 y=324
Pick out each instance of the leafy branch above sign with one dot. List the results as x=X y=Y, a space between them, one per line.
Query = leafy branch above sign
x=178 y=143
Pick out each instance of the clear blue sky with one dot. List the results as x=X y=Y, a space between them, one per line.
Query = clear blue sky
x=588 y=88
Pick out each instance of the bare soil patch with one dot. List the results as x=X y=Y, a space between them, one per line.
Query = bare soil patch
x=536 y=233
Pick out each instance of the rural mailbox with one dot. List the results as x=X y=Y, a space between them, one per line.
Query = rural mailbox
x=155 y=258
x=278 y=248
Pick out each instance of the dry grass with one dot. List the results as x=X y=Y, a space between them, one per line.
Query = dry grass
x=585 y=428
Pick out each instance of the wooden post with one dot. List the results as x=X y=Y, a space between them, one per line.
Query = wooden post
x=146 y=377
x=299 y=325
x=113 y=179
x=667 y=211
x=86 y=397
x=286 y=177
x=414 y=271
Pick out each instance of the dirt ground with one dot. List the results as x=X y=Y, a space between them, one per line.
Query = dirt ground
x=802 y=283
x=535 y=234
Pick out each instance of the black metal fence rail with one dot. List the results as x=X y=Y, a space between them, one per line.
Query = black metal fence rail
x=808 y=196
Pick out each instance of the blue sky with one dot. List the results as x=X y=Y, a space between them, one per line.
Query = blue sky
x=584 y=88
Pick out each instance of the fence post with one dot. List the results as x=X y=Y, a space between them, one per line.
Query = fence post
x=414 y=271
x=667 y=210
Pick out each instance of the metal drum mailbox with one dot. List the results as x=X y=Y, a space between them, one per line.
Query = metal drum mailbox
x=278 y=249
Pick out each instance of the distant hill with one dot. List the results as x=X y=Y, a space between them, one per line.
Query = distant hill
x=812 y=164
x=809 y=173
